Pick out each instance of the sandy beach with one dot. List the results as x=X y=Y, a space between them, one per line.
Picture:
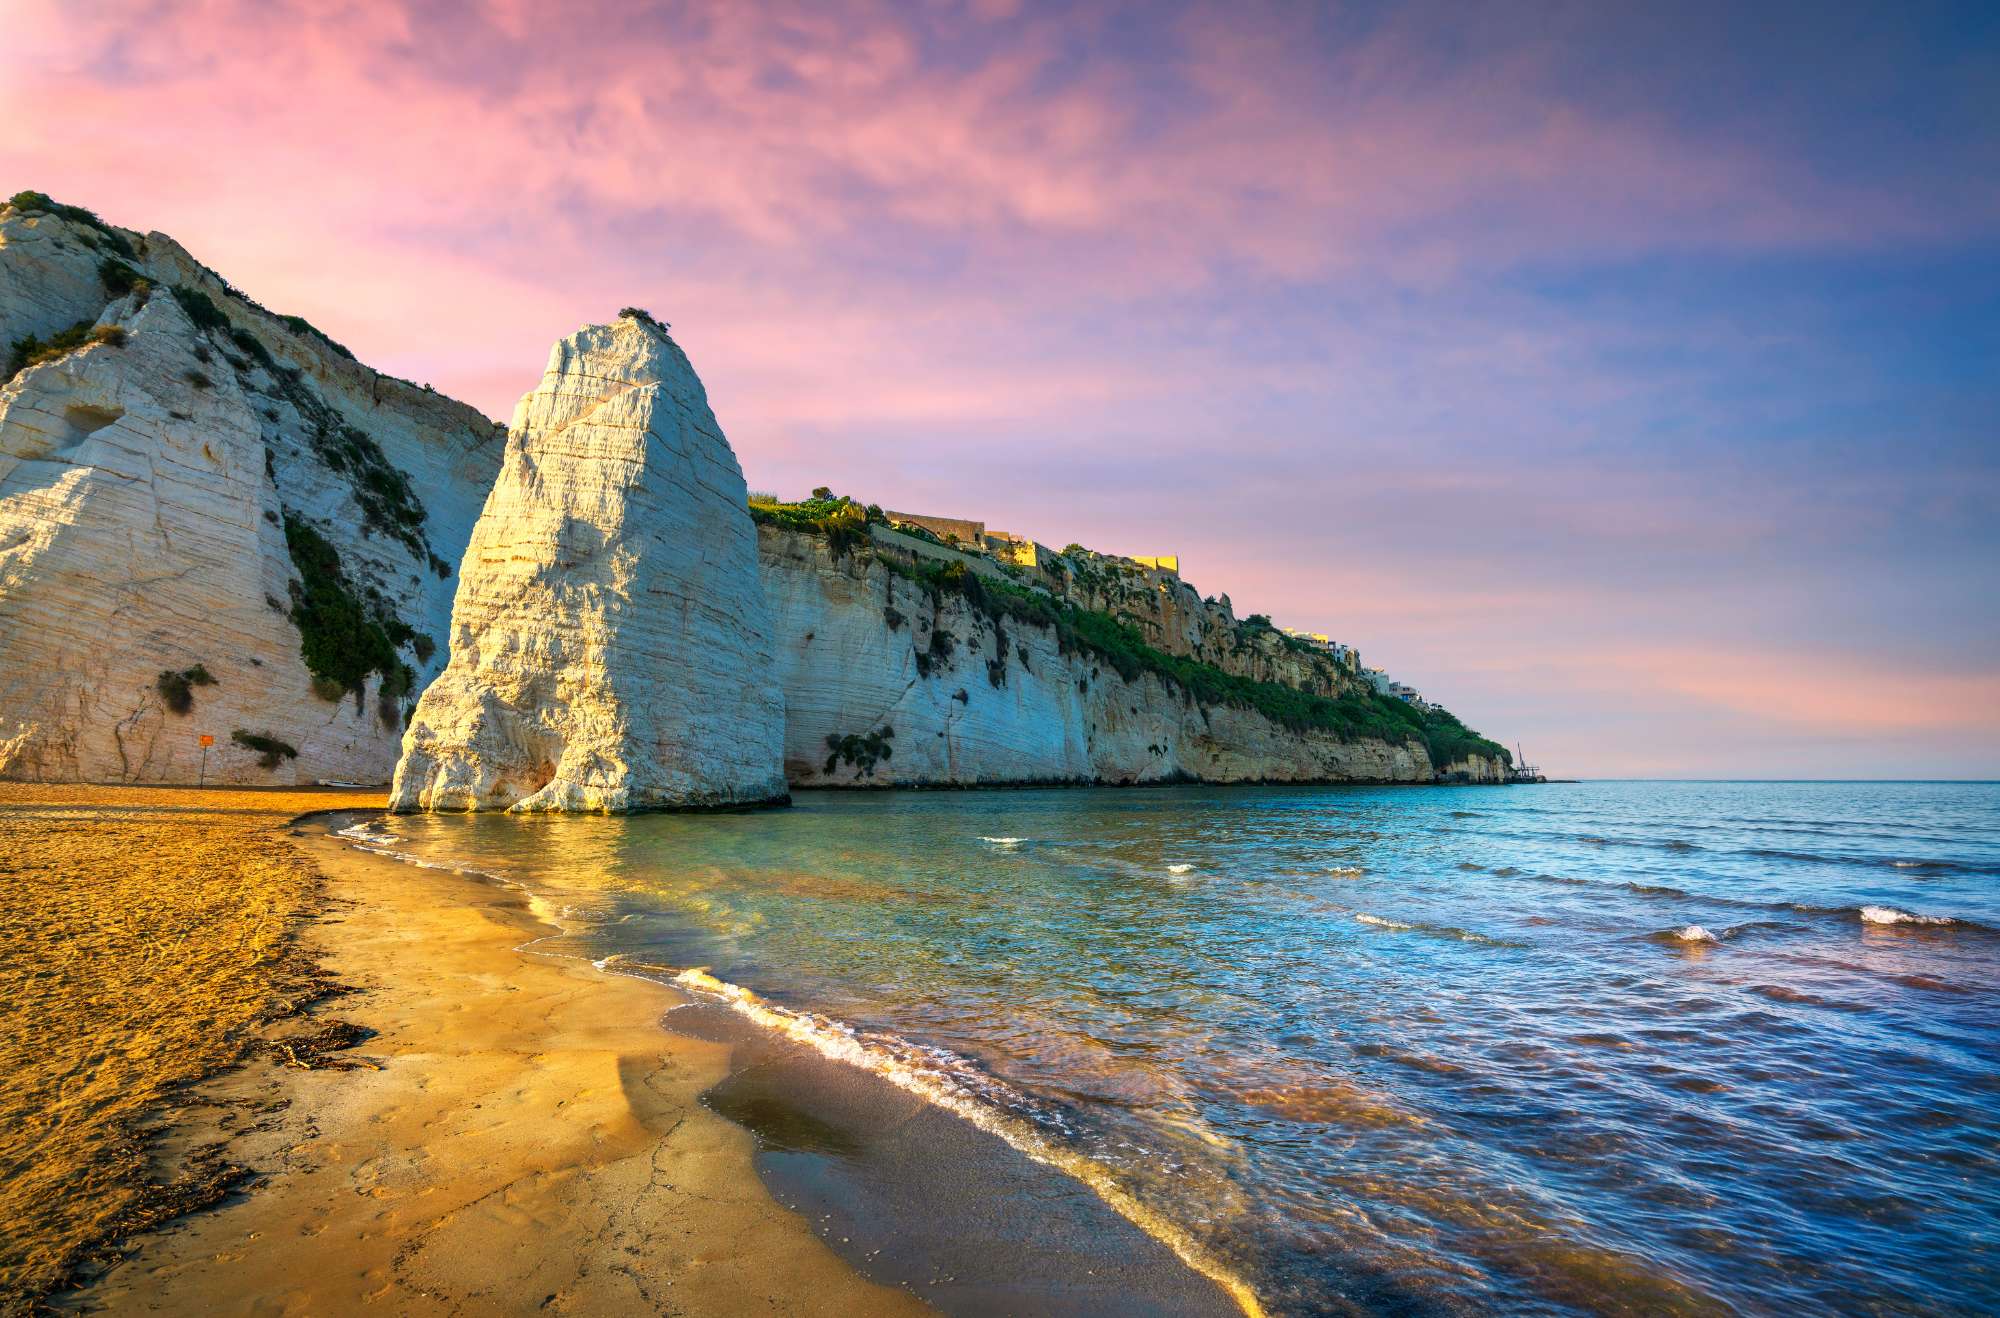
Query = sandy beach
x=151 y=933
x=510 y=1132
x=517 y=1134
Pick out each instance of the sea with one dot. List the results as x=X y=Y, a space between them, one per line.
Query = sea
x=1603 y=1047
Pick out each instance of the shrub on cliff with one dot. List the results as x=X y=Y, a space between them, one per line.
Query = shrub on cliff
x=99 y=234
x=341 y=640
x=200 y=308
x=841 y=521
x=300 y=325
x=269 y=749
x=1449 y=740
x=177 y=689
x=1119 y=646
x=861 y=752
x=30 y=351
x=119 y=278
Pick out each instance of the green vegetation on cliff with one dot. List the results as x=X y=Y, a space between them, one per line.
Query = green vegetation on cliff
x=97 y=232
x=1352 y=716
x=841 y=521
x=177 y=689
x=1358 y=713
x=341 y=638
x=30 y=351
x=269 y=748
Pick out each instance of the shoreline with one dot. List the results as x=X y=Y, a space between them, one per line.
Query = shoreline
x=522 y=1129
x=516 y=1132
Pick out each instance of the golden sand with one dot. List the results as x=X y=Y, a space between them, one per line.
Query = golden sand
x=145 y=935
x=521 y=1136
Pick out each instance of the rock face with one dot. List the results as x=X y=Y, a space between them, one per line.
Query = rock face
x=874 y=695
x=610 y=642
x=150 y=594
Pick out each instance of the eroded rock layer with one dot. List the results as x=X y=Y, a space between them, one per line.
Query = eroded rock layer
x=610 y=644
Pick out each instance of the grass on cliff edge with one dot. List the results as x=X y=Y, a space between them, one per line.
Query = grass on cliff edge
x=839 y=520
x=98 y=233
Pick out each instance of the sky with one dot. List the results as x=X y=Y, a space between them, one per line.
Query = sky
x=1627 y=377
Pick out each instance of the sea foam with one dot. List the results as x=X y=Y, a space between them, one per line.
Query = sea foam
x=1890 y=915
x=948 y=1081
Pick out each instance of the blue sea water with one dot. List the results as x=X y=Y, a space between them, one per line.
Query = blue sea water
x=1603 y=1047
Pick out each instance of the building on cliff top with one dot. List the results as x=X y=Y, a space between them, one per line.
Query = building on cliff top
x=1008 y=547
x=1344 y=655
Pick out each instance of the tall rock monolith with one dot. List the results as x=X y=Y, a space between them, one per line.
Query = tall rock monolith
x=611 y=649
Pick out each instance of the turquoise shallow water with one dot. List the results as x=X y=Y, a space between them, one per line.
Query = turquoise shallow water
x=1607 y=1047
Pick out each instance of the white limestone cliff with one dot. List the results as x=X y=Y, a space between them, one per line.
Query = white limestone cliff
x=999 y=702
x=610 y=642
x=146 y=480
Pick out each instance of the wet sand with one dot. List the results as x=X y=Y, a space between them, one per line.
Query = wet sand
x=519 y=1133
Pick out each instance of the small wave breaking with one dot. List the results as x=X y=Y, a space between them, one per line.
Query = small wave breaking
x=1439 y=930
x=1890 y=915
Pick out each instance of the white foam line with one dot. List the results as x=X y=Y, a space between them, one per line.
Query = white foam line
x=1890 y=915
x=839 y=1042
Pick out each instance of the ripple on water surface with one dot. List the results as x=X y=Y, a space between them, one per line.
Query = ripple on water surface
x=1638 y=1047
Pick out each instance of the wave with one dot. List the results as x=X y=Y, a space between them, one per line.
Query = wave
x=1916 y=865
x=1439 y=930
x=1904 y=863
x=1180 y=869
x=1890 y=915
x=1702 y=934
x=360 y=832
x=1347 y=871
x=1655 y=890
x=1004 y=843
x=1868 y=914
x=948 y=1081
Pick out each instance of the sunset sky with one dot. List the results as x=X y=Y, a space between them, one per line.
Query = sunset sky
x=1626 y=377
